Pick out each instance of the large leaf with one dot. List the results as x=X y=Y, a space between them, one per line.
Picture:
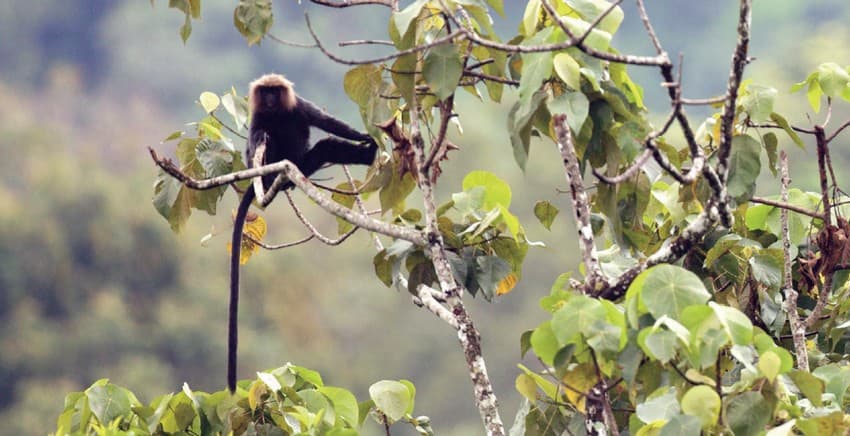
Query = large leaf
x=108 y=402
x=391 y=397
x=744 y=167
x=748 y=413
x=574 y=105
x=667 y=289
x=442 y=70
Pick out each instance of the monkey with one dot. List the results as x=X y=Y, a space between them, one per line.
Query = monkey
x=281 y=119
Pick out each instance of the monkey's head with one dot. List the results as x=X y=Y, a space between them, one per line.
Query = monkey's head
x=271 y=93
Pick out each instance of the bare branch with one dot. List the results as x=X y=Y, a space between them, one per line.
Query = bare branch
x=581 y=205
x=736 y=73
x=787 y=206
x=290 y=171
x=348 y=3
x=644 y=17
x=703 y=101
x=428 y=298
x=335 y=58
x=313 y=228
x=365 y=42
x=798 y=329
x=289 y=43
x=838 y=131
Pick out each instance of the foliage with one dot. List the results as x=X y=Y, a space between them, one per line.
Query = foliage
x=286 y=400
x=708 y=336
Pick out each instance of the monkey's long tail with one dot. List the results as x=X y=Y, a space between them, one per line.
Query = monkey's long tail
x=233 y=311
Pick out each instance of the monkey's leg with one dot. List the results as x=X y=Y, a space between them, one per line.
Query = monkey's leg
x=336 y=151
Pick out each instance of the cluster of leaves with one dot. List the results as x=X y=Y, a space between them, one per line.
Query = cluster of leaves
x=252 y=18
x=485 y=244
x=211 y=152
x=682 y=363
x=285 y=401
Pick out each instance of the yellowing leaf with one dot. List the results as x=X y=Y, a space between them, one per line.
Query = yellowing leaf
x=255 y=394
x=209 y=101
x=580 y=378
x=255 y=228
x=506 y=285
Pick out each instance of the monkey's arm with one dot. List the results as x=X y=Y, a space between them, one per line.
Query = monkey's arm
x=325 y=121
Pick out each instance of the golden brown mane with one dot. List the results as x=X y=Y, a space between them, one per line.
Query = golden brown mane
x=287 y=98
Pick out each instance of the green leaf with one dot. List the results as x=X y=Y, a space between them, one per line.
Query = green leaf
x=405 y=17
x=833 y=79
x=390 y=397
x=681 y=425
x=574 y=105
x=404 y=75
x=660 y=407
x=591 y=9
x=519 y=125
x=498 y=6
x=767 y=268
x=667 y=289
x=526 y=386
x=108 y=402
x=769 y=364
x=536 y=67
x=782 y=122
x=568 y=70
x=545 y=213
x=442 y=70
x=748 y=413
x=497 y=191
x=576 y=316
x=737 y=325
x=771 y=147
x=489 y=271
x=597 y=39
x=530 y=17
x=361 y=83
x=344 y=402
x=758 y=101
x=837 y=379
x=545 y=343
x=392 y=195
x=744 y=167
x=253 y=19
x=659 y=344
x=310 y=376
x=814 y=94
x=702 y=402
x=209 y=101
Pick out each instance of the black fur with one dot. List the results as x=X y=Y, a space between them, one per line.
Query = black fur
x=286 y=132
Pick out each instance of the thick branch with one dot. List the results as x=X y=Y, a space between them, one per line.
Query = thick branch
x=289 y=170
x=468 y=335
x=736 y=73
x=581 y=206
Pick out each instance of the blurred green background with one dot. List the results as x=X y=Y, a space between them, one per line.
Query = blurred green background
x=93 y=283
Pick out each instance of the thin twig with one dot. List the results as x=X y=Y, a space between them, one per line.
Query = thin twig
x=365 y=42
x=289 y=43
x=787 y=206
x=335 y=58
x=348 y=3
